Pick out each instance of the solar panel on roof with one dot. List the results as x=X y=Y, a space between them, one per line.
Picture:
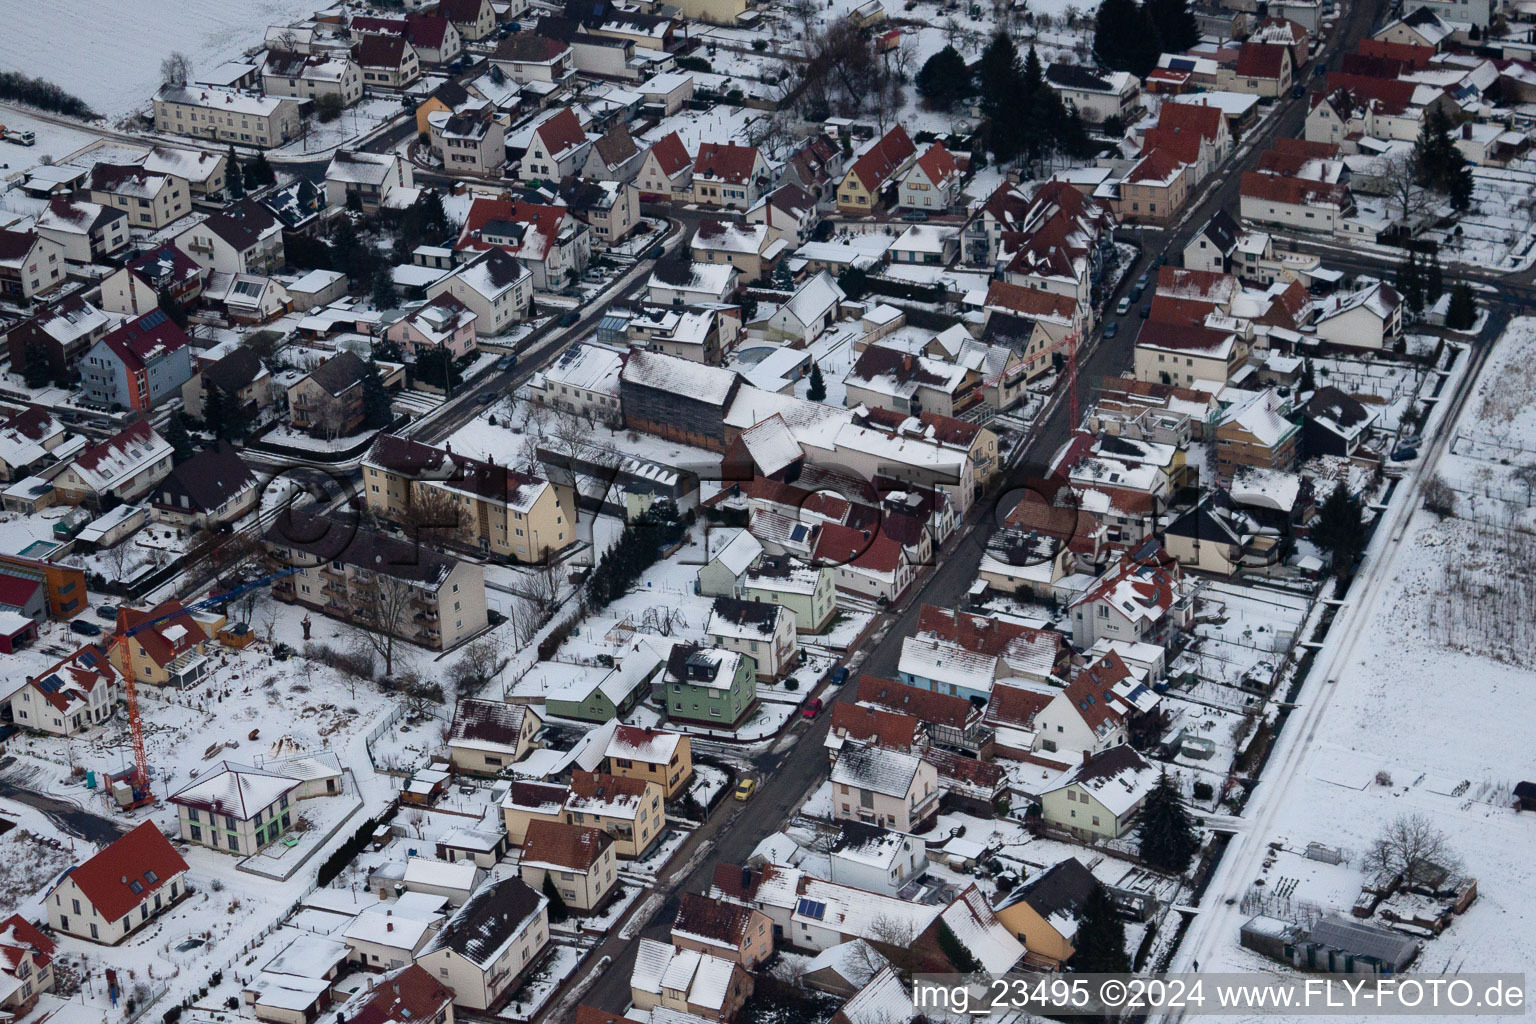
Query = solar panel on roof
x=813 y=909
x=50 y=684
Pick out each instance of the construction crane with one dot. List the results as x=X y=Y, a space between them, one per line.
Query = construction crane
x=139 y=776
x=1068 y=342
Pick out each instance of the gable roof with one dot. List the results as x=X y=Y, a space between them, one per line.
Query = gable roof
x=717 y=922
x=209 y=478
x=103 y=466
x=488 y=921
x=883 y=159
x=883 y=728
x=487 y=724
x=877 y=769
x=671 y=155
x=143 y=860
x=938 y=163
x=149 y=337
x=243 y=224
x=555 y=844
x=1059 y=895
x=381 y=51
x=937 y=708
x=561 y=132
x=1260 y=60
x=404 y=996
x=726 y=161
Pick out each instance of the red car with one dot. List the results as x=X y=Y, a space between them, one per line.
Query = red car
x=812 y=708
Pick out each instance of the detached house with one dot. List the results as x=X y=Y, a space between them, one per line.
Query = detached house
x=150 y=200
x=1142 y=598
x=435 y=38
x=1101 y=798
x=530 y=58
x=579 y=861
x=629 y=810
x=1295 y=202
x=666 y=172
x=369 y=179
x=116 y=892
x=489 y=944
x=58 y=336
x=27 y=441
x=328 y=401
x=89 y=232
x=475 y=19
x=725 y=174
x=497 y=289
x=387 y=62
x=708 y=686
x=1371 y=318
x=614 y=157
x=789 y=213
x=724 y=929
x=214 y=486
x=549 y=240
x=651 y=755
x=1261 y=69
x=442 y=323
x=558 y=149
x=880 y=164
x=765 y=633
x=135 y=288
x=489 y=735
x=26 y=961
x=932 y=182
x=168 y=653
x=77 y=693
x=884 y=787
x=236 y=808
x=29 y=264
x=687 y=983
x=244 y=238
x=1096 y=96
x=312 y=75
x=139 y=365
x=1044 y=912
x=124 y=467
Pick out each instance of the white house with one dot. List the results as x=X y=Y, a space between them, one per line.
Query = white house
x=118 y=891
x=1371 y=318
x=497 y=289
x=374 y=178
x=877 y=859
x=809 y=312
x=932 y=182
x=883 y=787
x=490 y=943
x=763 y=632
x=1097 y=96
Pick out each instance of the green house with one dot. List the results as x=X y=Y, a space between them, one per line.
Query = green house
x=710 y=686
x=599 y=695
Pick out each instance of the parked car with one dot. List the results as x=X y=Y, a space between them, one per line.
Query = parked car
x=744 y=789
x=914 y=216
x=1404 y=453
x=1112 y=328
x=106 y=611
x=1123 y=306
x=507 y=361
x=1146 y=311
x=839 y=675
x=485 y=398
x=567 y=319
x=84 y=628
x=1298 y=91
x=1136 y=290
x=812 y=708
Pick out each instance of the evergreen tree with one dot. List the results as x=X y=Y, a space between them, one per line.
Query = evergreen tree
x=1442 y=166
x=854 y=282
x=1462 y=312
x=214 y=414
x=1167 y=835
x=955 y=951
x=1434 y=279
x=1100 y=937
x=177 y=437
x=1124 y=38
x=435 y=366
x=354 y=202
x=1340 y=528
x=557 y=911
x=376 y=403
x=999 y=81
x=944 y=79
x=817 y=392
x=234 y=180
x=383 y=289
x=1410 y=282
x=1175 y=24
x=1308 y=380
x=36 y=371
x=172 y=308
x=259 y=172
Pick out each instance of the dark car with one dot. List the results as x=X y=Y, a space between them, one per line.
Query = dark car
x=1146 y=311
x=1404 y=453
x=655 y=252
x=106 y=611
x=85 y=628
x=1320 y=70
x=914 y=216
x=485 y=398
x=839 y=675
x=1298 y=91
x=567 y=319
x=1135 y=292
x=1112 y=328
x=507 y=361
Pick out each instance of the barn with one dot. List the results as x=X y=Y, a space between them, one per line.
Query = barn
x=677 y=399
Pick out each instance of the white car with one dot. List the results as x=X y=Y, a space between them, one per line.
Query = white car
x=1123 y=306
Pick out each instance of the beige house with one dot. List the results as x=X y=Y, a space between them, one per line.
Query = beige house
x=30 y=263
x=387 y=936
x=87 y=697
x=119 y=890
x=423 y=597
x=470 y=142
x=687 y=981
x=889 y=788
x=651 y=755
x=724 y=929
x=579 y=860
x=488 y=946
x=222 y=115
x=497 y=288
x=879 y=165
x=716 y=12
x=27 y=961
x=750 y=248
x=1181 y=354
x=387 y=62
x=328 y=400
x=150 y=200
x=528 y=802
x=235 y=808
x=1100 y=798
x=667 y=170
x=312 y=75
x=489 y=735
x=168 y=647
x=506 y=513
x=1155 y=189
x=629 y=810
x=763 y=631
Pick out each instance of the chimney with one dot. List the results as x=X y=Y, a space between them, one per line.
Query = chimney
x=389 y=926
x=1466 y=130
x=1087 y=757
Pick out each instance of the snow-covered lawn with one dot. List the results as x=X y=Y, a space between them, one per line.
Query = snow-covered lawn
x=355 y=122
x=707 y=781
x=111 y=59
x=548 y=976
x=54 y=142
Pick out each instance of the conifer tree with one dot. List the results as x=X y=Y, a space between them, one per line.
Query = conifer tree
x=1175 y=24
x=1434 y=279
x=1167 y=835
x=817 y=392
x=944 y=79
x=177 y=437
x=1100 y=937
x=234 y=179
x=1462 y=312
x=557 y=909
x=1340 y=528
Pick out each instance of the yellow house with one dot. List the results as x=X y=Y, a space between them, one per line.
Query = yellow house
x=506 y=513
x=880 y=164
x=651 y=755
x=527 y=802
x=716 y=12
x=168 y=653
x=629 y=810
x=1044 y=912
x=489 y=735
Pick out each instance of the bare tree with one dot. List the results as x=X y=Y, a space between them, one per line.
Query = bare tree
x=381 y=616
x=893 y=938
x=435 y=514
x=477 y=665
x=1525 y=476
x=1399 y=177
x=117 y=559
x=176 y=69
x=1413 y=847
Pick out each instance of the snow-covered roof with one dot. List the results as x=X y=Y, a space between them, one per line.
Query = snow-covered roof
x=971 y=920
x=1119 y=778
x=772 y=445
x=701 y=383
x=888 y=772
x=222 y=100
x=738 y=551
x=651 y=746
x=705 y=978
x=855 y=961
x=237 y=790
x=457 y=874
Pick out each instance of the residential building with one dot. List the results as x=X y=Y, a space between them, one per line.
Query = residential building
x=171 y=652
x=789 y=212
x=30 y=264
x=748 y=248
x=328 y=400
x=244 y=238
x=134 y=289
x=1261 y=69
x=728 y=175
x=807 y=592
x=1295 y=202
x=629 y=810
x=312 y=76
x=235 y=808
x=214 y=486
x=435 y=39
x=812 y=309
x=666 y=171
x=962 y=654
x=489 y=944
x=1371 y=318
x=117 y=891
x=610 y=208
x=441 y=324
x=1102 y=797
x=57 y=336
x=368 y=180
x=424 y=597
x=387 y=936
x=150 y=200
x=487 y=736
x=676 y=398
x=709 y=687
x=1142 y=598
x=724 y=929
x=475 y=19
x=88 y=232
x=239 y=378
x=125 y=467
x=223 y=115
x=139 y=365
x=695 y=985
x=553 y=244
x=884 y=787
x=578 y=860
x=508 y=513
x=651 y=755
x=614 y=157
x=75 y=694
x=1044 y=912
x=557 y=149
x=1258 y=432
x=763 y=632
x=1096 y=96
x=387 y=62
x=407 y=993
x=877 y=859
x=886 y=160
x=932 y=183
x=203 y=171
x=1181 y=354
x=28 y=440
x=469 y=142
x=527 y=57
x=497 y=289
x=26 y=958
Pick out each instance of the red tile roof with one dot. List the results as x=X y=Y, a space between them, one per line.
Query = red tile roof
x=883 y=728
x=671 y=155
x=1015 y=706
x=1157 y=167
x=150 y=336
x=108 y=879
x=726 y=161
x=571 y=846
x=1092 y=690
x=1261 y=60
x=938 y=163
x=18 y=935
x=937 y=708
x=868 y=550
x=1181 y=128
x=410 y=994
x=561 y=132
x=543 y=223
x=164 y=641
x=1030 y=301
x=883 y=159
x=1415 y=56
x=1293 y=191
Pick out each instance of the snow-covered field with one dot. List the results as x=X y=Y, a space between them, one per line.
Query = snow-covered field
x=1422 y=721
x=54 y=142
x=109 y=54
